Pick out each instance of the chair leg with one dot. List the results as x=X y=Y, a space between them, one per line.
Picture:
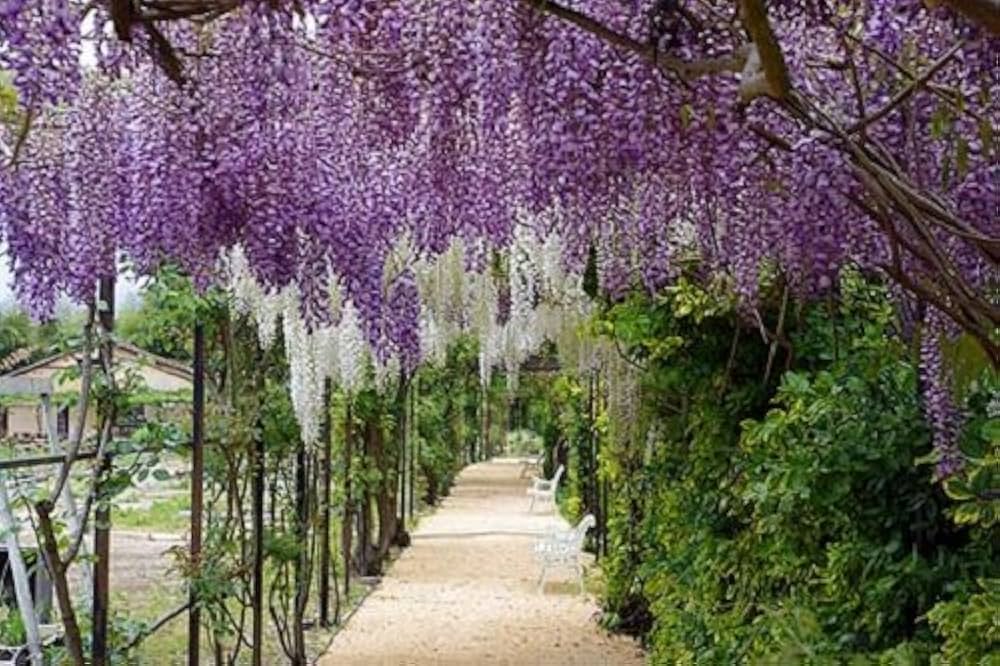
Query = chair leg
x=541 y=579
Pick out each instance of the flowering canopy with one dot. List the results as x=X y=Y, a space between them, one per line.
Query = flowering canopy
x=321 y=136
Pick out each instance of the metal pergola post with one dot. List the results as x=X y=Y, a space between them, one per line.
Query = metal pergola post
x=197 y=488
x=19 y=572
x=324 y=534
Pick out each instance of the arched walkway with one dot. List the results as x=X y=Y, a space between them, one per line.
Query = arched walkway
x=465 y=592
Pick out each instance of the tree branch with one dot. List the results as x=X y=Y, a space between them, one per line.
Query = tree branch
x=906 y=92
x=984 y=13
x=754 y=15
x=687 y=70
x=156 y=626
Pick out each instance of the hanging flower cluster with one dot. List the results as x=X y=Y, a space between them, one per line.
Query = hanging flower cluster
x=316 y=136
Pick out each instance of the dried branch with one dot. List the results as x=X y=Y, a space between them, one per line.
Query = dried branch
x=156 y=626
x=72 y=638
x=685 y=69
x=984 y=13
x=906 y=92
x=771 y=137
x=22 y=137
x=779 y=335
x=86 y=379
x=164 y=55
x=954 y=100
x=754 y=15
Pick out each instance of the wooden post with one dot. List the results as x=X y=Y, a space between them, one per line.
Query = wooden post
x=197 y=488
x=19 y=572
x=102 y=514
x=324 y=534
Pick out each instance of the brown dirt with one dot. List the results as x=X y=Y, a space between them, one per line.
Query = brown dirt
x=466 y=591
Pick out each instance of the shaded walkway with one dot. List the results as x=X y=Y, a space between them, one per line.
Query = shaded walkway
x=465 y=592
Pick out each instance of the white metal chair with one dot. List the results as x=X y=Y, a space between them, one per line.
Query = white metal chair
x=544 y=490
x=563 y=548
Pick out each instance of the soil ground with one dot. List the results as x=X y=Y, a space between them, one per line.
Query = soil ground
x=466 y=591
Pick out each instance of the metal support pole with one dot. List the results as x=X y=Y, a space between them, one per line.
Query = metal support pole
x=595 y=493
x=602 y=480
x=413 y=438
x=257 y=490
x=347 y=527
x=401 y=448
x=197 y=488
x=419 y=440
x=484 y=447
x=19 y=572
x=324 y=534
x=102 y=514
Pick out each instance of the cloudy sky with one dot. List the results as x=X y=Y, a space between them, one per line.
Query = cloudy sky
x=126 y=293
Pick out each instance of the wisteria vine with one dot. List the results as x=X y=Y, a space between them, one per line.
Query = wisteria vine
x=341 y=145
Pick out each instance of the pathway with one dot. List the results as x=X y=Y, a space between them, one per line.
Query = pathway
x=465 y=592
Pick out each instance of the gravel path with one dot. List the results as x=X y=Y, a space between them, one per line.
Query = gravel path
x=465 y=592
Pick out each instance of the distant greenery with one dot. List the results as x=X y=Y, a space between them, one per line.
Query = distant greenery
x=11 y=626
x=8 y=100
x=523 y=442
x=18 y=331
x=162 y=515
x=447 y=412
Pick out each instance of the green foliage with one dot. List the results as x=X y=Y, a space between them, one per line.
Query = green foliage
x=171 y=306
x=789 y=520
x=163 y=515
x=969 y=621
x=970 y=625
x=8 y=100
x=841 y=521
x=11 y=626
x=15 y=332
x=976 y=489
x=447 y=411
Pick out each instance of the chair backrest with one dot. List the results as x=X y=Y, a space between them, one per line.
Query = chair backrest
x=557 y=476
x=584 y=525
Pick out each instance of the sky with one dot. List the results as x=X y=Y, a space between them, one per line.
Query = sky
x=126 y=291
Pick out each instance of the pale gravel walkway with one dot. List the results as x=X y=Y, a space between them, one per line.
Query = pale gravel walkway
x=465 y=592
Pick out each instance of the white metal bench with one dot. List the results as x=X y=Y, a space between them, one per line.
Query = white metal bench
x=544 y=490
x=532 y=462
x=562 y=548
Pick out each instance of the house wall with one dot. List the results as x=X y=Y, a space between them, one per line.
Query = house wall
x=23 y=420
